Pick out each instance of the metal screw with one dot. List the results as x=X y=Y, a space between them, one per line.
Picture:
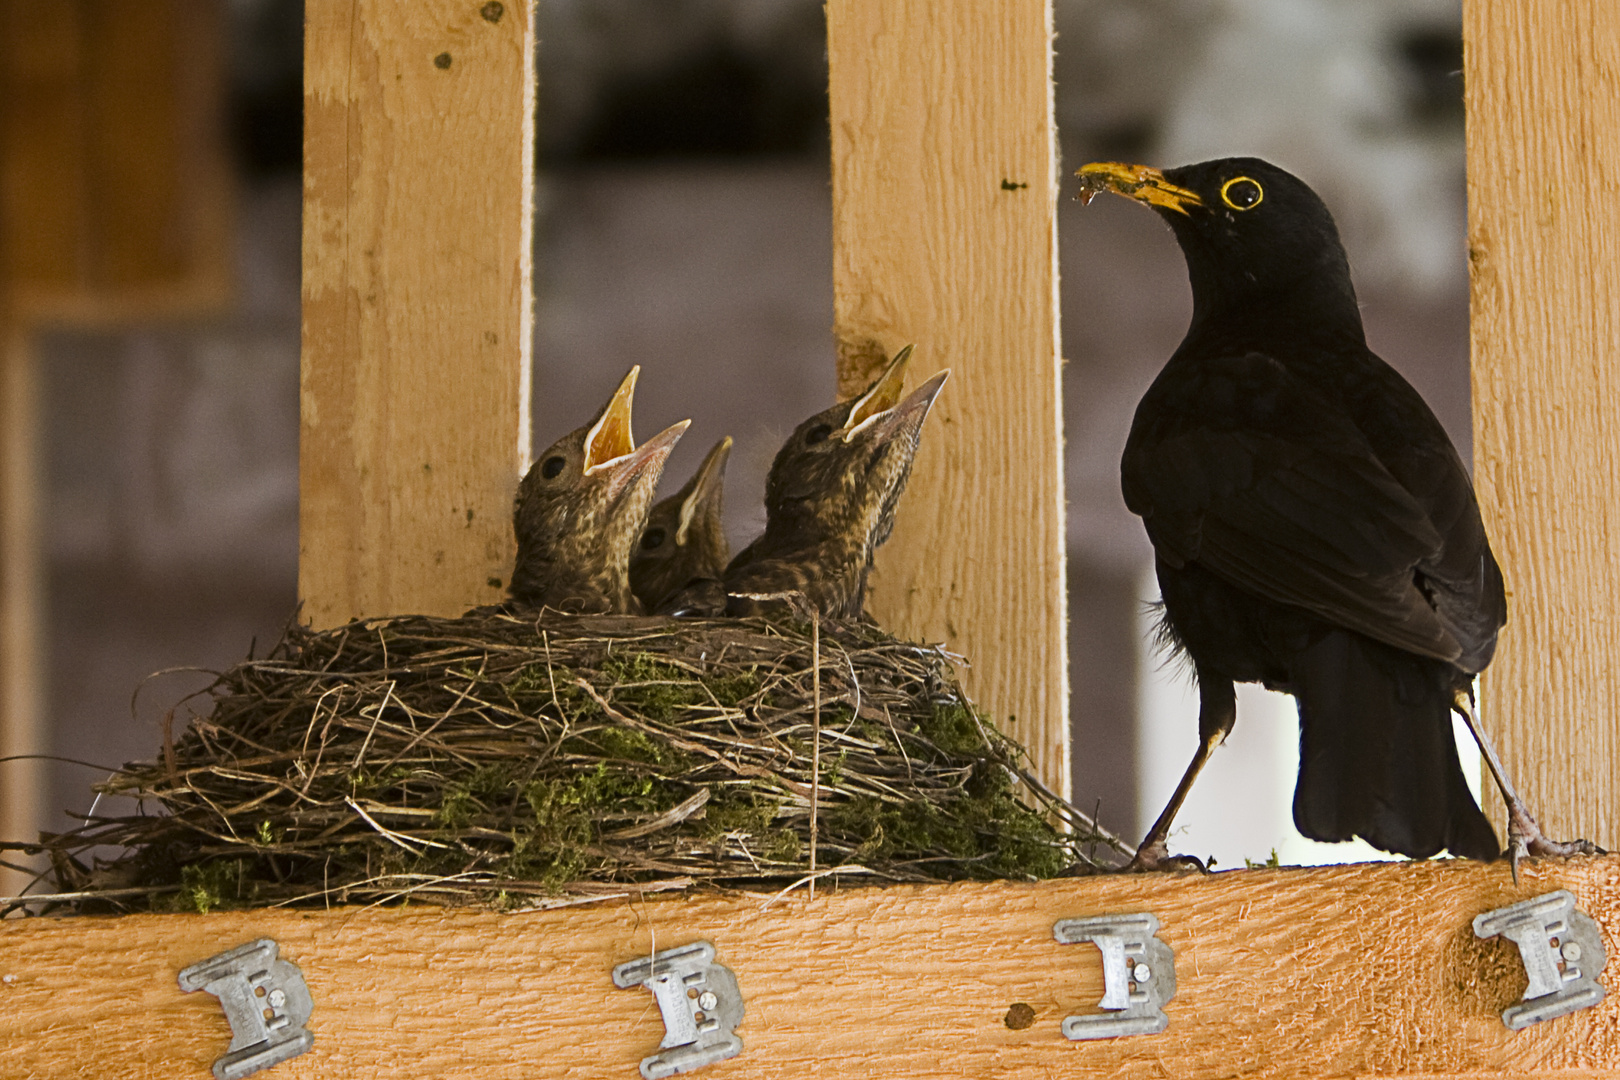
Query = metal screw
x=708 y=1001
x=1142 y=973
x=278 y=998
x=1571 y=951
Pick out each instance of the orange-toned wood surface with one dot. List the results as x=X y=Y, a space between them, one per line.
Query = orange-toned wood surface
x=418 y=184
x=945 y=235
x=1366 y=970
x=1543 y=85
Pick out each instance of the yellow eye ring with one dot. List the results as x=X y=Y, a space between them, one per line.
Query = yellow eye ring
x=1248 y=197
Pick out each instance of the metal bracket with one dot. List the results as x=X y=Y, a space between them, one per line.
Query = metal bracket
x=266 y=1001
x=1139 y=975
x=1562 y=952
x=700 y=1002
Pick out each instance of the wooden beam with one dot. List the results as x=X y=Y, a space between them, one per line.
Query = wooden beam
x=944 y=234
x=22 y=575
x=1544 y=230
x=1368 y=970
x=418 y=182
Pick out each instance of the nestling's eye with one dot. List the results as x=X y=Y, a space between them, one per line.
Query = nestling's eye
x=1242 y=193
x=652 y=538
x=552 y=466
x=817 y=434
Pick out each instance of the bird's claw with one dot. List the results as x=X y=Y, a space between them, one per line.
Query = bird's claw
x=1525 y=840
x=1156 y=857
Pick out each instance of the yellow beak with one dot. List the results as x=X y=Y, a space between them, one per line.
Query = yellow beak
x=1140 y=182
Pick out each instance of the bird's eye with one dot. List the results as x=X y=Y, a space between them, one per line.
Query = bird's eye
x=552 y=466
x=817 y=434
x=652 y=538
x=1242 y=193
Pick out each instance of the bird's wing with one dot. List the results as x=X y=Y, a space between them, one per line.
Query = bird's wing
x=1236 y=464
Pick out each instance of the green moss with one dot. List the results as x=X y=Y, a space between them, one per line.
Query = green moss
x=206 y=886
x=488 y=784
x=627 y=744
x=832 y=773
x=737 y=810
x=655 y=688
x=783 y=845
x=994 y=834
x=733 y=690
x=954 y=729
x=533 y=686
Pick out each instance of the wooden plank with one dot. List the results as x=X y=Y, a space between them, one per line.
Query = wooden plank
x=944 y=234
x=22 y=676
x=1359 y=970
x=418 y=180
x=1544 y=233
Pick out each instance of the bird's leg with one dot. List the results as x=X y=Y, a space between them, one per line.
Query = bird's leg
x=1217 y=712
x=1524 y=835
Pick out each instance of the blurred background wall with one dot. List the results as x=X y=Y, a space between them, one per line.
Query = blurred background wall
x=683 y=223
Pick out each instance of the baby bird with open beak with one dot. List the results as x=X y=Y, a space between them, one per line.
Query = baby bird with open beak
x=581 y=508
x=683 y=550
x=830 y=501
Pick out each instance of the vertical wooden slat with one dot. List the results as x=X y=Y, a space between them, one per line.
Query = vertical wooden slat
x=21 y=588
x=944 y=234
x=418 y=181
x=1543 y=86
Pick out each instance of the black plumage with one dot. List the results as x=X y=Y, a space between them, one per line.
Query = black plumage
x=582 y=506
x=683 y=551
x=830 y=500
x=1314 y=527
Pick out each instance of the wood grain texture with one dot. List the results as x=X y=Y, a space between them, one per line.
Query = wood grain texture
x=944 y=234
x=1344 y=971
x=418 y=184
x=1543 y=85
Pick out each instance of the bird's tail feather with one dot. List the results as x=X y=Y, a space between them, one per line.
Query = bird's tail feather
x=1377 y=755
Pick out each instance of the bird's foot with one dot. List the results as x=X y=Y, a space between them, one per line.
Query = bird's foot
x=1155 y=856
x=1525 y=839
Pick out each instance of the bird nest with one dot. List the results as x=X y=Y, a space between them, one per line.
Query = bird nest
x=517 y=762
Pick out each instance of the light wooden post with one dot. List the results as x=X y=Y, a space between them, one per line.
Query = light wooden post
x=22 y=573
x=944 y=234
x=418 y=183
x=1544 y=247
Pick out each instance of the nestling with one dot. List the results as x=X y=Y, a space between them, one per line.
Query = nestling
x=830 y=501
x=580 y=509
x=683 y=548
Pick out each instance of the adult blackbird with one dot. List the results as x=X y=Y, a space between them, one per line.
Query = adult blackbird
x=581 y=507
x=1313 y=526
x=683 y=548
x=830 y=500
